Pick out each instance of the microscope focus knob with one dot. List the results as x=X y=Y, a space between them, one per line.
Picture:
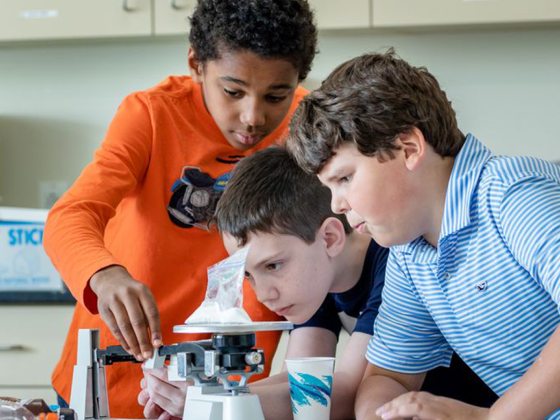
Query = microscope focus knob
x=253 y=358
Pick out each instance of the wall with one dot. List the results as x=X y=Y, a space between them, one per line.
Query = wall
x=56 y=100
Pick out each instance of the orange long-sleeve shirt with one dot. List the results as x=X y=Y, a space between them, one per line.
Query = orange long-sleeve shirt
x=156 y=174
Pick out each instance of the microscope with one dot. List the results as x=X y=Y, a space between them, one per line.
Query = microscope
x=210 y=364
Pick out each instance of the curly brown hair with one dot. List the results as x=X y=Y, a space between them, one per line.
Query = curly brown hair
x=369 y=101
x=283 y=29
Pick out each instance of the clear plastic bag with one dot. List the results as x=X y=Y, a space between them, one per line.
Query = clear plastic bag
x=224 y=295
x=14 y=410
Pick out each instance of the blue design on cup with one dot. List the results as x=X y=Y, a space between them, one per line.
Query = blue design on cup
x=308 y=389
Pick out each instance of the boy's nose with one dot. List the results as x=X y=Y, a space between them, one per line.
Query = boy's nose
x=253 y=115
x=339 y=205
x=266 y=294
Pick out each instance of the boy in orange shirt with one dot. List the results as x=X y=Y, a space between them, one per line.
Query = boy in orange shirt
x=130 y=237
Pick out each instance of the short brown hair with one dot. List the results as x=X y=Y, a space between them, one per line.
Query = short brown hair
x=269 y=193
x=370 y=101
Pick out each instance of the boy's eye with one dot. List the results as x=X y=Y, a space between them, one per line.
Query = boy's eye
x=274 y=266
x=344 y=179
x=249 y=277
x=275 y=99
x=232 y=93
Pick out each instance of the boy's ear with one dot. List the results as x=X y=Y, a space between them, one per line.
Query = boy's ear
x=333 y=235
x=196 y=68
x=414 y=148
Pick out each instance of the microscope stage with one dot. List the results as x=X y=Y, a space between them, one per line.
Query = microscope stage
x=233 y=328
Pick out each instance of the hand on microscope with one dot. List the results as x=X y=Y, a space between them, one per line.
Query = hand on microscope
x=161 y=398
x=128 y=308
x=151 y=409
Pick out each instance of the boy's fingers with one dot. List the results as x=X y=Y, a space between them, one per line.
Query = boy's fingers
x=164 y=416
x=143 y=397
x=168 y=403
x=160 y=374
x=151 y=410
x=109 y=319
x=140 y=328
x=168 y=396
x=122 y=316
x=152 y=315
x=161 y=382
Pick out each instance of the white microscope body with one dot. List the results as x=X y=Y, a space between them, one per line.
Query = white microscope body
x=208 y=363
x=213 y=404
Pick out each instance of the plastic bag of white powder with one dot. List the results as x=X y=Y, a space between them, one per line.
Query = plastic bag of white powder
x=223 y=303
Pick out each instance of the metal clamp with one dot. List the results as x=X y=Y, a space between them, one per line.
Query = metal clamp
x=185 y=365
x=211 y=362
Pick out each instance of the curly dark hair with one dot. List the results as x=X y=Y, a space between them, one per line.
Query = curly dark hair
x=370 y=101
x=282 y=29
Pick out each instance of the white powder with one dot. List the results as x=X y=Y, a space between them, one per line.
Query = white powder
x=235 y=316
x=209 y=313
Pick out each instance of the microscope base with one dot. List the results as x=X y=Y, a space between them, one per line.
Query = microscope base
x=211 y=403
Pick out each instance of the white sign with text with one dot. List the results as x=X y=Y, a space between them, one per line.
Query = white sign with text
x=24 y=265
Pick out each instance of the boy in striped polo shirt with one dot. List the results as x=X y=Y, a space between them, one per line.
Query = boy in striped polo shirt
x=475 y=238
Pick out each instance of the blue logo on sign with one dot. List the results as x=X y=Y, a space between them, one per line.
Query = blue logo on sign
x=20 y=236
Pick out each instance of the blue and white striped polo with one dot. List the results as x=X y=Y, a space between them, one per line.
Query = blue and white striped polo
x=491 y=289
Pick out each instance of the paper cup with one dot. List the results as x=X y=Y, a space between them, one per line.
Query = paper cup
x=311 y=387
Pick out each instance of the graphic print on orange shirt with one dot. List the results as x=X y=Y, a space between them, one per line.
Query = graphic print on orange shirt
x=196 y=195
